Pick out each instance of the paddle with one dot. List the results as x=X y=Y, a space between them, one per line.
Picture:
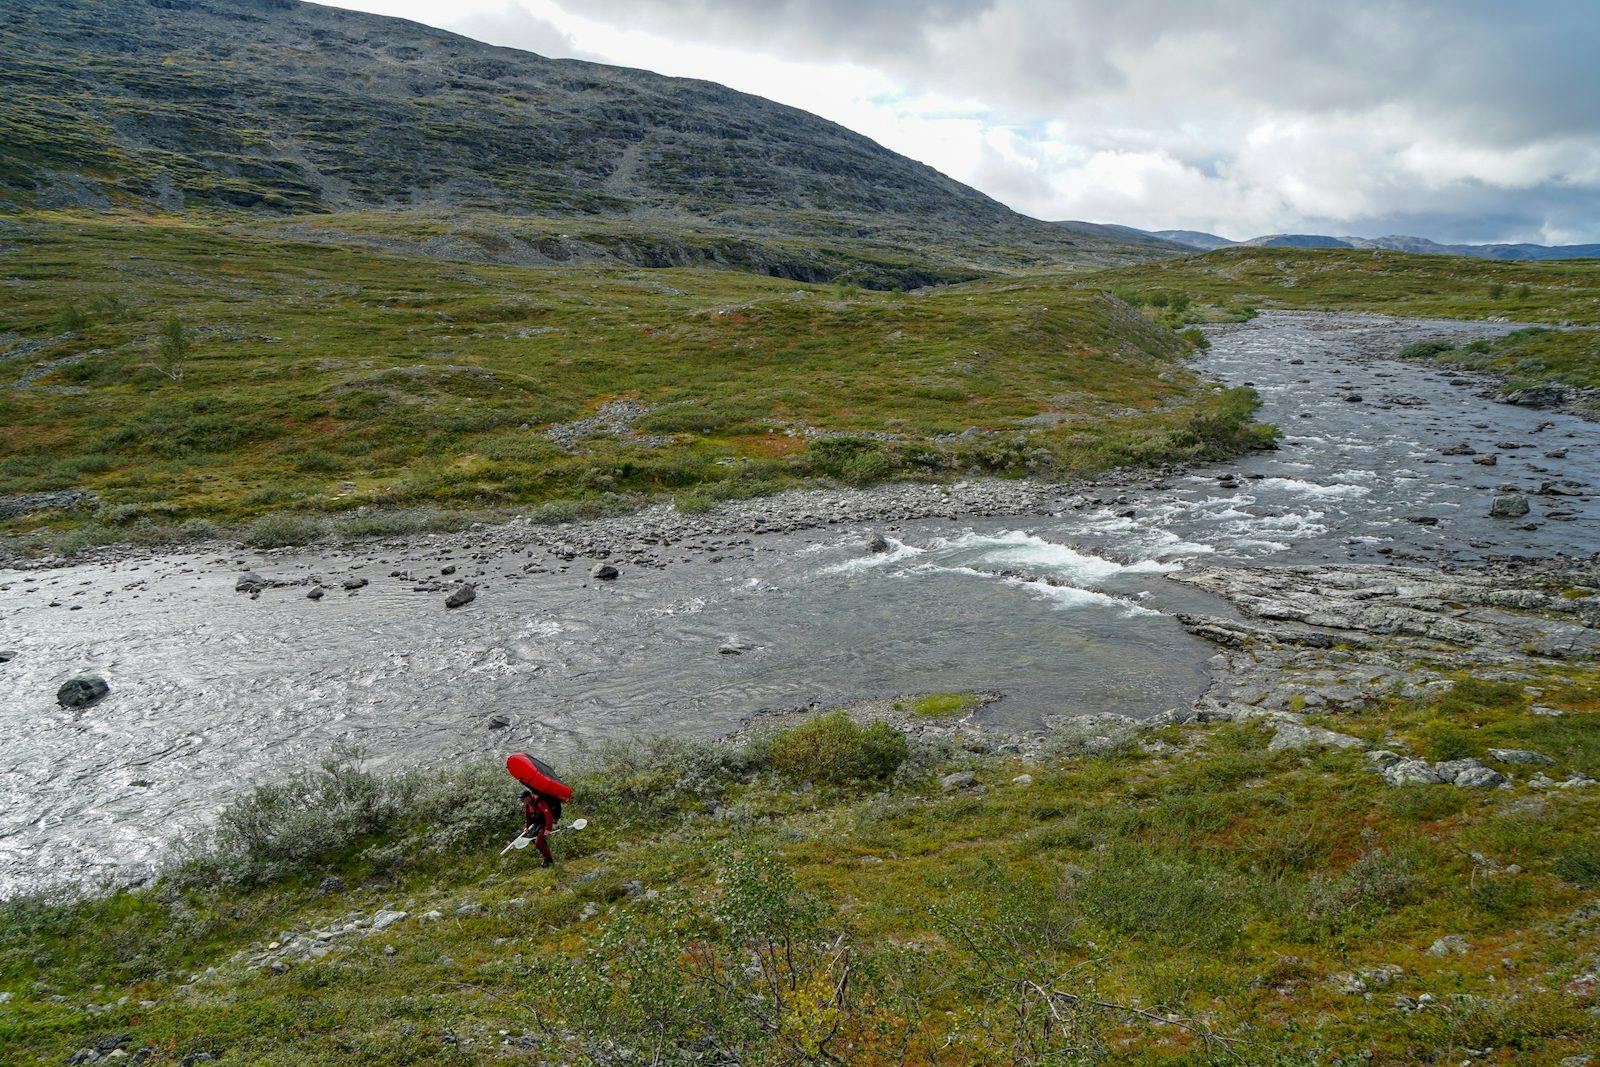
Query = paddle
x=524 y=842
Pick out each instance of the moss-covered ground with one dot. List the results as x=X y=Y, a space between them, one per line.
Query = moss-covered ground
x=185 y=371
x=1201 y=900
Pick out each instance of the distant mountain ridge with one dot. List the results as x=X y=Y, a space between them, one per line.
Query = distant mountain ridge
x=1395 y=243
x=277 y=107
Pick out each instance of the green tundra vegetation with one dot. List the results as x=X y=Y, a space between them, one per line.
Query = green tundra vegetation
x=188 y=372
x=1230 y=283
x=819 y=896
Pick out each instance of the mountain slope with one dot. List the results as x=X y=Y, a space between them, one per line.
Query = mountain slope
x=291 y=108
x=1193 y=238
x=1394 y=243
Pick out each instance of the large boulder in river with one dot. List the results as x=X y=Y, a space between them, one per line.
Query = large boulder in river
x=1537 y=396
x=604 y=572
x=249 y=582
x=877 y=543
x=1508 y=506
x=81 y=692
x=465 y=594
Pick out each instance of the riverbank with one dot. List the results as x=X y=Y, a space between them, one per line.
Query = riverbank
x=1382 y=814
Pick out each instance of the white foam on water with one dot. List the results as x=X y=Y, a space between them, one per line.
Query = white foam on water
x=1022 y=549
x=1295 y=485
x=1060 y=596
x=898 y=550
x=1070 y=596
x=1181 y=548
x=1256 y=542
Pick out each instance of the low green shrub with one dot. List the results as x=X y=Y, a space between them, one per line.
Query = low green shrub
x=281 y=528
x=1579 y=864
x=833 y=749
x=1426 y=349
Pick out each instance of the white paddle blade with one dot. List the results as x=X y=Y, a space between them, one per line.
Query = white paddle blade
x=579 y=824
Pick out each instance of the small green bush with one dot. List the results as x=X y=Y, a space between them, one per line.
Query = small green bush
x=1426 y=349
x=856 y=460
x=282 y=528
x=318 y=461
x=1443 y=741
x=1579 y=865
x=71 y=318
x=833 y=749
x=1196 y=338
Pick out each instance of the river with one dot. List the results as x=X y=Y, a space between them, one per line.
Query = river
x=1063 y=610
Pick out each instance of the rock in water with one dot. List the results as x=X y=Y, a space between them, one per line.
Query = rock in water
x=465 y=594
x=1508 y=506
x=353 y=584
x=81 y=692
x=605 y=572
x=316 y=593
x=877 y=543
x=249 y=582
x=1537 y=396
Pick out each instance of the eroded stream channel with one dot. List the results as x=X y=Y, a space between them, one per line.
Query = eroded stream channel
x=1062 y=607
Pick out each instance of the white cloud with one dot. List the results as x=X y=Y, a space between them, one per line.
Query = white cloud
x=1240 y=117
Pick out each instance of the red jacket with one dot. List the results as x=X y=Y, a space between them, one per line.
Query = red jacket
x=536 y=813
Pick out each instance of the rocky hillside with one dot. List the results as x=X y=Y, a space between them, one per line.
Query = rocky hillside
x=1393 y=243
x=274 y=106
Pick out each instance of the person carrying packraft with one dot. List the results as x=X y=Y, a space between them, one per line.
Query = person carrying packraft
x=542 y=796
x=539 y=815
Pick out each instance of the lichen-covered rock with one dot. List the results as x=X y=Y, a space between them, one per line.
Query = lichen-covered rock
x=1411 y=772
x=1292 y=735
x=1522 y=756
x=1468 y=773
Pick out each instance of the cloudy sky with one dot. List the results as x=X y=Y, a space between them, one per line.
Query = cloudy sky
x=1459 y=120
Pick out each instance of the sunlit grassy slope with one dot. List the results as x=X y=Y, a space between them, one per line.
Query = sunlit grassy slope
x=1204 y=900
x=324 y=378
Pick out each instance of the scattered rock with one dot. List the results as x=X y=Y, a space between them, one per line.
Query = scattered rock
x=464 y=594
x=1537 y=396
x=330 y=885
x=1292 y=735
x=1508 y=506
x=1468 y=773
x=960 y=780
x=385 y=919
x=1449 y=945
x=1411 y=772
x=82 y=692
x=1022 y=780
x=353 y=584
x=316 y=593
x=249 y=582
x=1522 y=757
x=604 y=572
